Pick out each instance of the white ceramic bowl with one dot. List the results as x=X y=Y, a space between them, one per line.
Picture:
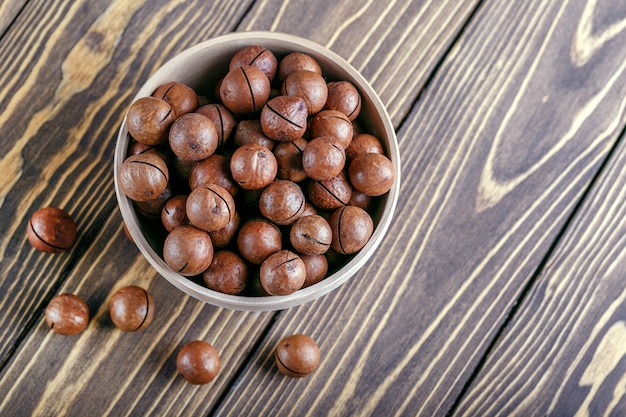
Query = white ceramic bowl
x=200 y=67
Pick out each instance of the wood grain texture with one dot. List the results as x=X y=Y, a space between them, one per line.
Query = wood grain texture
x=495 y=156
x=9 y=9
x=65 y=91
x=117 y=372
x=564 y=351
x=67 y=74
x=394 y=44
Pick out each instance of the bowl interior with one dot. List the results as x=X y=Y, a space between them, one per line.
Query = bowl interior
x=201 y=67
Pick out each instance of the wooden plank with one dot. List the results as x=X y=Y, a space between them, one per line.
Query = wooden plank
x=67 y=74
x=9 y=9
x=116 y=372
x=564 y=352
x=496 y=155
x=85 y=84
x=394 y=44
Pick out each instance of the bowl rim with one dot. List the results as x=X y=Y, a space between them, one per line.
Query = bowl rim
x=304 y=295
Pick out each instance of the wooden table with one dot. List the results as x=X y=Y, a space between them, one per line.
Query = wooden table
x=499 y=289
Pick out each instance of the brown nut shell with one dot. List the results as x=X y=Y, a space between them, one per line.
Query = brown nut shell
x=143 y=177
x=148 y=120
x=181 y=97
x=352 y=228
x=344 y=97
x=372 y=174
x=224 y=236
x=309 y=86
x=257 y=240
x=331 y=193
x=193 y=137
x=151 y=209
x=131 y=308
x=223 y=120
x=323 y=159
x=282 y=202
x=249 y=131
x=297 y=61
x=188 y=250
x=311 y=235
x=174 y=213
x=258 y=57
x=227 y=273
x=283 y=273
x=210 y=207
x=289 y=159
x=67 y=314
x=253 y=166
x=51 y=230
x=198 y=362
x=213 y=170
x=363 y=143
x=334 y=124
x=284 y=118
x=316 y=269
x=245 y=90
x=297 y=356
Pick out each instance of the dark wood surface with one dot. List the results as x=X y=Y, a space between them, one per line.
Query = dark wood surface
x=498 y=290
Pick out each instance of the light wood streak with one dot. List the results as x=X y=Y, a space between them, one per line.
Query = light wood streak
x=567 y=338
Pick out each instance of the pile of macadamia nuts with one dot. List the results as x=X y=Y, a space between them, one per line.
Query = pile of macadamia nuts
x=264 y=189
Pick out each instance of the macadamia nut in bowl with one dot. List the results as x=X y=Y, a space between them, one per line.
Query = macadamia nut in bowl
x=265 y=185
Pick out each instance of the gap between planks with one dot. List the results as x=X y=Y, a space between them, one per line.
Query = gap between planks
x=535 y=276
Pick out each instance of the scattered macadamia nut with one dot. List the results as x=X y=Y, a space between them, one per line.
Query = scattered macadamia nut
x=131 y=308
x=198 y=362
x=67 y=314
x=51 y=230
x=297 y=356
